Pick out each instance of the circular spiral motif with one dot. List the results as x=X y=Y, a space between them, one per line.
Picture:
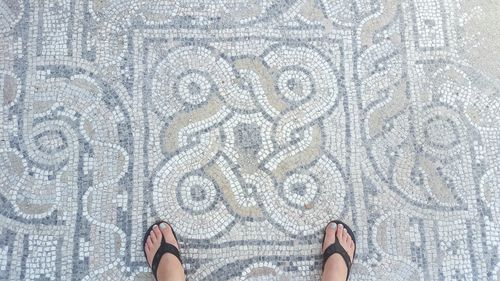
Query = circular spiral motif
x=51 y=141
x=196 y=193
x=190 y=199
x=305 y=198
x=188 y=77
x=50 y=148
x=194 y=87
x=441 y=132
x=295 y=84
x=300 y=190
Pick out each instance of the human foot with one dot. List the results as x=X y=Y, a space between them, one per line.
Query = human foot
x=167 y=253
x=336 y=265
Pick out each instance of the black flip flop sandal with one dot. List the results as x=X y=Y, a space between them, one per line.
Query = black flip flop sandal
x=163 y=249
x=336 y=248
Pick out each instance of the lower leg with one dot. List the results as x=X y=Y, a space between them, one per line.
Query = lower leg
x=170 y=269
x=335 y=269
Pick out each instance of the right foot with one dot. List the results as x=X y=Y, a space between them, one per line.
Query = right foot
x=336 y=263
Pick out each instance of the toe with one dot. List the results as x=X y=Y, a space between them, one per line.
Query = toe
x=152 y=235
x=340 y=232
x=329 y=235
x=346 y=236
x=156 y=231
x=349 y=239
x=168 y=235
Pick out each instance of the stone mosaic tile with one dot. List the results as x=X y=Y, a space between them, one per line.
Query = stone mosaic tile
x=248 y=126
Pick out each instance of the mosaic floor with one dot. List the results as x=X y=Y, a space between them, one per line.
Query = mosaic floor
x=249 y=125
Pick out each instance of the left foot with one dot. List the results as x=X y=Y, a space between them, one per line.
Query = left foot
x=336 y=263
x=153 y=242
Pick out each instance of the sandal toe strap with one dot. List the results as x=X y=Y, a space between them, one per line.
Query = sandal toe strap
x=336 y=248
x=164 y=249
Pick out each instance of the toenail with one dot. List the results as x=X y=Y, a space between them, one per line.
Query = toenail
x=345 y=229
x=155 y=226
x=163 y=225
x=334 y=226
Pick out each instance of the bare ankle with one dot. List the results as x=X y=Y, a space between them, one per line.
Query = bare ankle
x=335 y=269
x=170 y=269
